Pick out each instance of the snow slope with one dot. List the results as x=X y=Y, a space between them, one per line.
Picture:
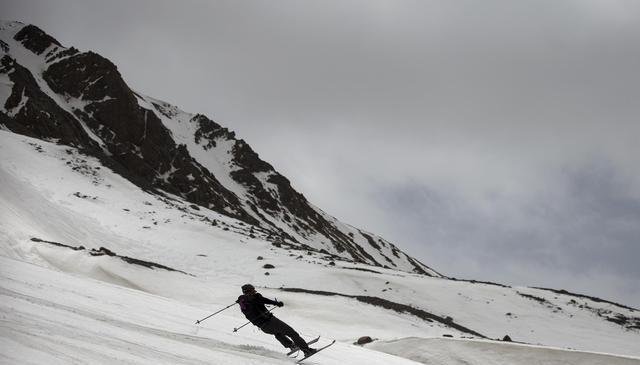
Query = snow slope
x=54 y=318
x=454 y=352
x=50 y=317
x=69 y=306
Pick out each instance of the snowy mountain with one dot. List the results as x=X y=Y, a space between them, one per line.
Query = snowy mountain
x=123 y=220
x=79 y=99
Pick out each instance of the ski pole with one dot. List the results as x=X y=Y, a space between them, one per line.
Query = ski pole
x=238 y=328
x=211 y=315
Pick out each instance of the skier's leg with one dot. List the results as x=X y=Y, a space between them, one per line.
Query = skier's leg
x=273 y=328
x=286 y=330
x=284 y=340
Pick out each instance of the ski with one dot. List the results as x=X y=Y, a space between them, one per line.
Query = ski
x=308 y=343
x=317 y=350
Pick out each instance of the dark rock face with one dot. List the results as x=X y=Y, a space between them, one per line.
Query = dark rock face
x=208 y=130
x=39 y=116
x=249 y=163
x=134 y=135
x=34 y=39
x=91 y=78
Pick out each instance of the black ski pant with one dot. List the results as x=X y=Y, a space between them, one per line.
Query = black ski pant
x=284 y=333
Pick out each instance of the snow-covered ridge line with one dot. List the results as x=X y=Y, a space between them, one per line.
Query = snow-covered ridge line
x=595 y=299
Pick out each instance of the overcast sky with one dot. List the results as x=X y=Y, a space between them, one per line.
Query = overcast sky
x=493 y=140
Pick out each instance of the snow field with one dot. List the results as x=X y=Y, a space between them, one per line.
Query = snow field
x=57 y=318
x=71 y=307
x=453 y=352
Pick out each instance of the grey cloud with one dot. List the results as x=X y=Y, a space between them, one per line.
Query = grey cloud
x=584 y=225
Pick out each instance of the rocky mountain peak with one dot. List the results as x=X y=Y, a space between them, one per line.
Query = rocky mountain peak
x=80 y=99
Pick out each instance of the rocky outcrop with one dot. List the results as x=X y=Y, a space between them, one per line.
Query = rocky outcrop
x=135 y=136
x=31 y=112
x=35 y=40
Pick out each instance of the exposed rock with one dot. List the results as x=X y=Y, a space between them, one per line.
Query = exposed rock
x=364 y=340
x=34 y=39
x=102 y=251
x=595 y=299
x=398 y=307
x=135 y=136
x=39 y=116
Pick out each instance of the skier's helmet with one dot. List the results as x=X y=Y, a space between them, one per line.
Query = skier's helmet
x=248 y=288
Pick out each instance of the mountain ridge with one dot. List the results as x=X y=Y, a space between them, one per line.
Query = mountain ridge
x=80 y=99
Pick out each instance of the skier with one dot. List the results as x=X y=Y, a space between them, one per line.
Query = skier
x=252 y=306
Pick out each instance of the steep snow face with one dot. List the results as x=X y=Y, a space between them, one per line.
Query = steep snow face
x=55 y=193
x=79 y=99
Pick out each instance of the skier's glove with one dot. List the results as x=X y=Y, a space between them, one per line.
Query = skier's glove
x=279 y=304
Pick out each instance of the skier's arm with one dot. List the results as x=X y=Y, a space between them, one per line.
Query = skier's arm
x=264 y=300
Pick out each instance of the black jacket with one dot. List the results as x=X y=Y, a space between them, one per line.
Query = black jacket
x=252 y=306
